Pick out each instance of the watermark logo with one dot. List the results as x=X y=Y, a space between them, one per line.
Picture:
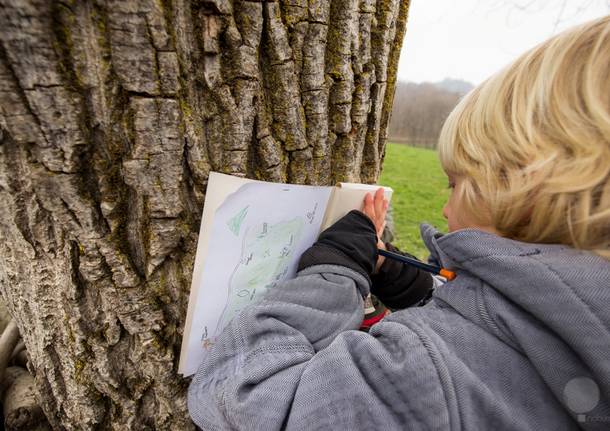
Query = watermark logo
x=581 y=395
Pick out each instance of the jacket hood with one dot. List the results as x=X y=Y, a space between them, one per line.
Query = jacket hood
x=549 y=302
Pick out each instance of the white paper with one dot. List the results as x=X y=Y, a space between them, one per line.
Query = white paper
x=219 y=187
x=350 y=196
x=257 y=237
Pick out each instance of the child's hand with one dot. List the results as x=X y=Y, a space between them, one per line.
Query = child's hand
x=376 y=209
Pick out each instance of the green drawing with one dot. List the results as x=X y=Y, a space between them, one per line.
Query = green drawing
x=267 y=250
x=234 y=222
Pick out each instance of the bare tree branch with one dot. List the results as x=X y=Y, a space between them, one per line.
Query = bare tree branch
x=563 y=8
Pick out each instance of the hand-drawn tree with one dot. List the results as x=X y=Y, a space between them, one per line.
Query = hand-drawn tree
x=112 y=115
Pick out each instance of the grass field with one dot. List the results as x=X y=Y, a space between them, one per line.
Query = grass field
x=420 y=191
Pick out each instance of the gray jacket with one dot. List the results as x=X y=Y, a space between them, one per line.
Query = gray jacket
x=519 y=340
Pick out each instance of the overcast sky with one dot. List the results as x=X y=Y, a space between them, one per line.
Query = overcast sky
x=471 y=39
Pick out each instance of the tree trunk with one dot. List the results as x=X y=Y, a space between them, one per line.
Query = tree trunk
x=113 y=114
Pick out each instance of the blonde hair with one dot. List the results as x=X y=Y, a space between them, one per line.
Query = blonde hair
x=532 y=143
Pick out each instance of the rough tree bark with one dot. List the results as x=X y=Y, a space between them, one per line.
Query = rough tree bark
x=112 y=115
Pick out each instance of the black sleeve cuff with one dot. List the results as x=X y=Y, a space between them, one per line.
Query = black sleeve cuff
x=350 y=242
x=399 y=285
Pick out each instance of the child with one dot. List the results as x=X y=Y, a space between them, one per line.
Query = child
x=519 y=340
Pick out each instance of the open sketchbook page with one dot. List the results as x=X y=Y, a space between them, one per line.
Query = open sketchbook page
x=349 y=196
x=219 y=187
x=256 y=239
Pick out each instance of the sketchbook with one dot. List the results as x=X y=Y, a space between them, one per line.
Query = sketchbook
x=251 y=237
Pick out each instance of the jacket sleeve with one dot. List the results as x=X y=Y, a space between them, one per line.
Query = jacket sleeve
x=398 y=285
x=296 y=361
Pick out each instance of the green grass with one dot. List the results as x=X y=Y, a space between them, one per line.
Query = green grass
x=420 y=192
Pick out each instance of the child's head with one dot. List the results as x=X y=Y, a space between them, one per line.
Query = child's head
x=530 y=147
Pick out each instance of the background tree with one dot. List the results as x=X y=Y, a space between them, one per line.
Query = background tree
x=421 y=109
x=112 y=115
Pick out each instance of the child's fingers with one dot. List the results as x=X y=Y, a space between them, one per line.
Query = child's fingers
x=375 y=208
x=368 y=206
x=379 y=198
x=386 y=205
x=380 y=230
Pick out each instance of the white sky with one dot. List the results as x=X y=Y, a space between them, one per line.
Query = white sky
x=472 y=39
